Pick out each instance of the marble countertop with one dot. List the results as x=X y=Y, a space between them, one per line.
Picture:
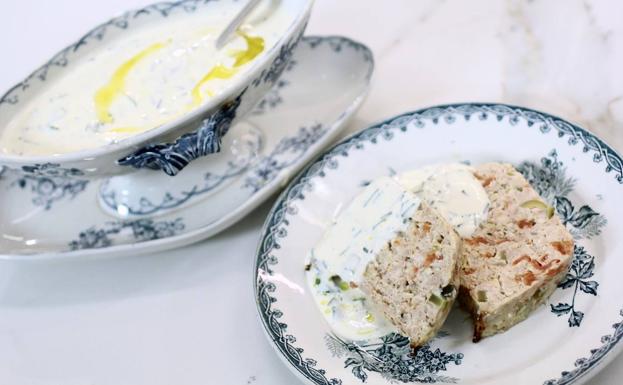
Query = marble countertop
x=188 y=316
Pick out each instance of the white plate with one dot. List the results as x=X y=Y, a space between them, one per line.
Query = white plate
x=566 y=341
x=50 y=217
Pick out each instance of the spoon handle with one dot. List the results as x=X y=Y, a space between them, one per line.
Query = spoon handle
x=235 y=23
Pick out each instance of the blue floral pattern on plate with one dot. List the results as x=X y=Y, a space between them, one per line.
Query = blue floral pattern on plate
x=394 y=359
x=551 y=183
x=578 y=278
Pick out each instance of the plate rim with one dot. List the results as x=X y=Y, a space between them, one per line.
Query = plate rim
x=304 y=368
x=249 y=205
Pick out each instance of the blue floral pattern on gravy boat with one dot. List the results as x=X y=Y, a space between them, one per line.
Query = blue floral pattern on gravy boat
x=140 y=231
x=173 y=157
x=584 y=222
x=48 y=183
x=194 y=139
x=337 y=44
x=211 y=181
x=273 y=97
x=286 y=153
x=47 y=190
x=260 y=171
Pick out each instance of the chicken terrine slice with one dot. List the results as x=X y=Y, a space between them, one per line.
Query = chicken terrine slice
x=516 y=258
x=414 y=279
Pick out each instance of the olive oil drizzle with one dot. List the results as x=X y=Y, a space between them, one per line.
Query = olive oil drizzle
x=255 y=46
x=105 y=96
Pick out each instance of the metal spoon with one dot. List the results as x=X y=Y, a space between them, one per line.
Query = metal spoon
x=235 y=23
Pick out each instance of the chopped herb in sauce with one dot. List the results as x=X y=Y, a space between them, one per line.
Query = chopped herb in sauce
x=339 y=282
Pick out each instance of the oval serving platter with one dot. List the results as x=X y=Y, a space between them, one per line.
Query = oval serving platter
x=565 y=341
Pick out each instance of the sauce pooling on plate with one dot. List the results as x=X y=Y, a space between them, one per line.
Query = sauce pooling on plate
x=452 y=190
x=144 y=78
x=335 y=266
x=337 y=263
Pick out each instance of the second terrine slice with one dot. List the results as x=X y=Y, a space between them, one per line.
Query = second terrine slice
x=516 y=258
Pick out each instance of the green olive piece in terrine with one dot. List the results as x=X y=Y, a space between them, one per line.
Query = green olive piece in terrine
x=414 y=279
x=516 y=258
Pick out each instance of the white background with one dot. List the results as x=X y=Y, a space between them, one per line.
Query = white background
x=188 y=316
